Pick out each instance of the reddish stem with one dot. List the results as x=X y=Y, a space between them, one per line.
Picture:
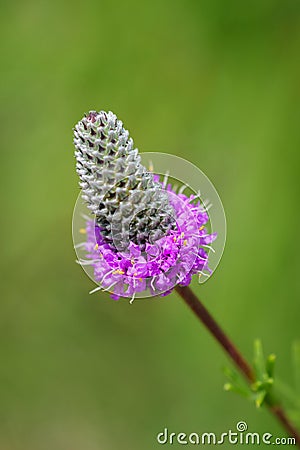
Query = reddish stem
x=244 y=367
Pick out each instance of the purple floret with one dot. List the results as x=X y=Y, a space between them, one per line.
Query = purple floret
x=162 y=265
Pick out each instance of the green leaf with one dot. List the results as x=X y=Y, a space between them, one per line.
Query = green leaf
x=259 y=398
x=259 y=360
x=270 y=365
x=236 y=383
x=260 y=390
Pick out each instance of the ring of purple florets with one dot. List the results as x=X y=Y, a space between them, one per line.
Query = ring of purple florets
x=158 y=268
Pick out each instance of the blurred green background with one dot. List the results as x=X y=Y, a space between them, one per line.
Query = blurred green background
x=215 y=82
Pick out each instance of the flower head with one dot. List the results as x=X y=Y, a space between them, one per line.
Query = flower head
x=129 y=206
x=144 y=238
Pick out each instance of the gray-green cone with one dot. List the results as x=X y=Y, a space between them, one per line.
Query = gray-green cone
x=127 y=203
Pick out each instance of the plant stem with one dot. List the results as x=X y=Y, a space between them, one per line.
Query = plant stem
x=244 y=367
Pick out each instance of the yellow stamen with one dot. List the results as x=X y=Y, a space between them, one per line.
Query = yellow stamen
x=135 y=274
x=174 y=239
x=141 y=279
x=96 y=247
x=118 y=271
x=201 y=228
x=185 y=242
x=82 y=231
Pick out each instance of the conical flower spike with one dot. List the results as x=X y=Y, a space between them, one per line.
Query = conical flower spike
x=126 y=201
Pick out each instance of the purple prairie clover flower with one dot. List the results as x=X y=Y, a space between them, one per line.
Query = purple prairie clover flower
x=143 y=237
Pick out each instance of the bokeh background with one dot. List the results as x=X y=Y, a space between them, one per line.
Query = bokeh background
x=214 y=82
